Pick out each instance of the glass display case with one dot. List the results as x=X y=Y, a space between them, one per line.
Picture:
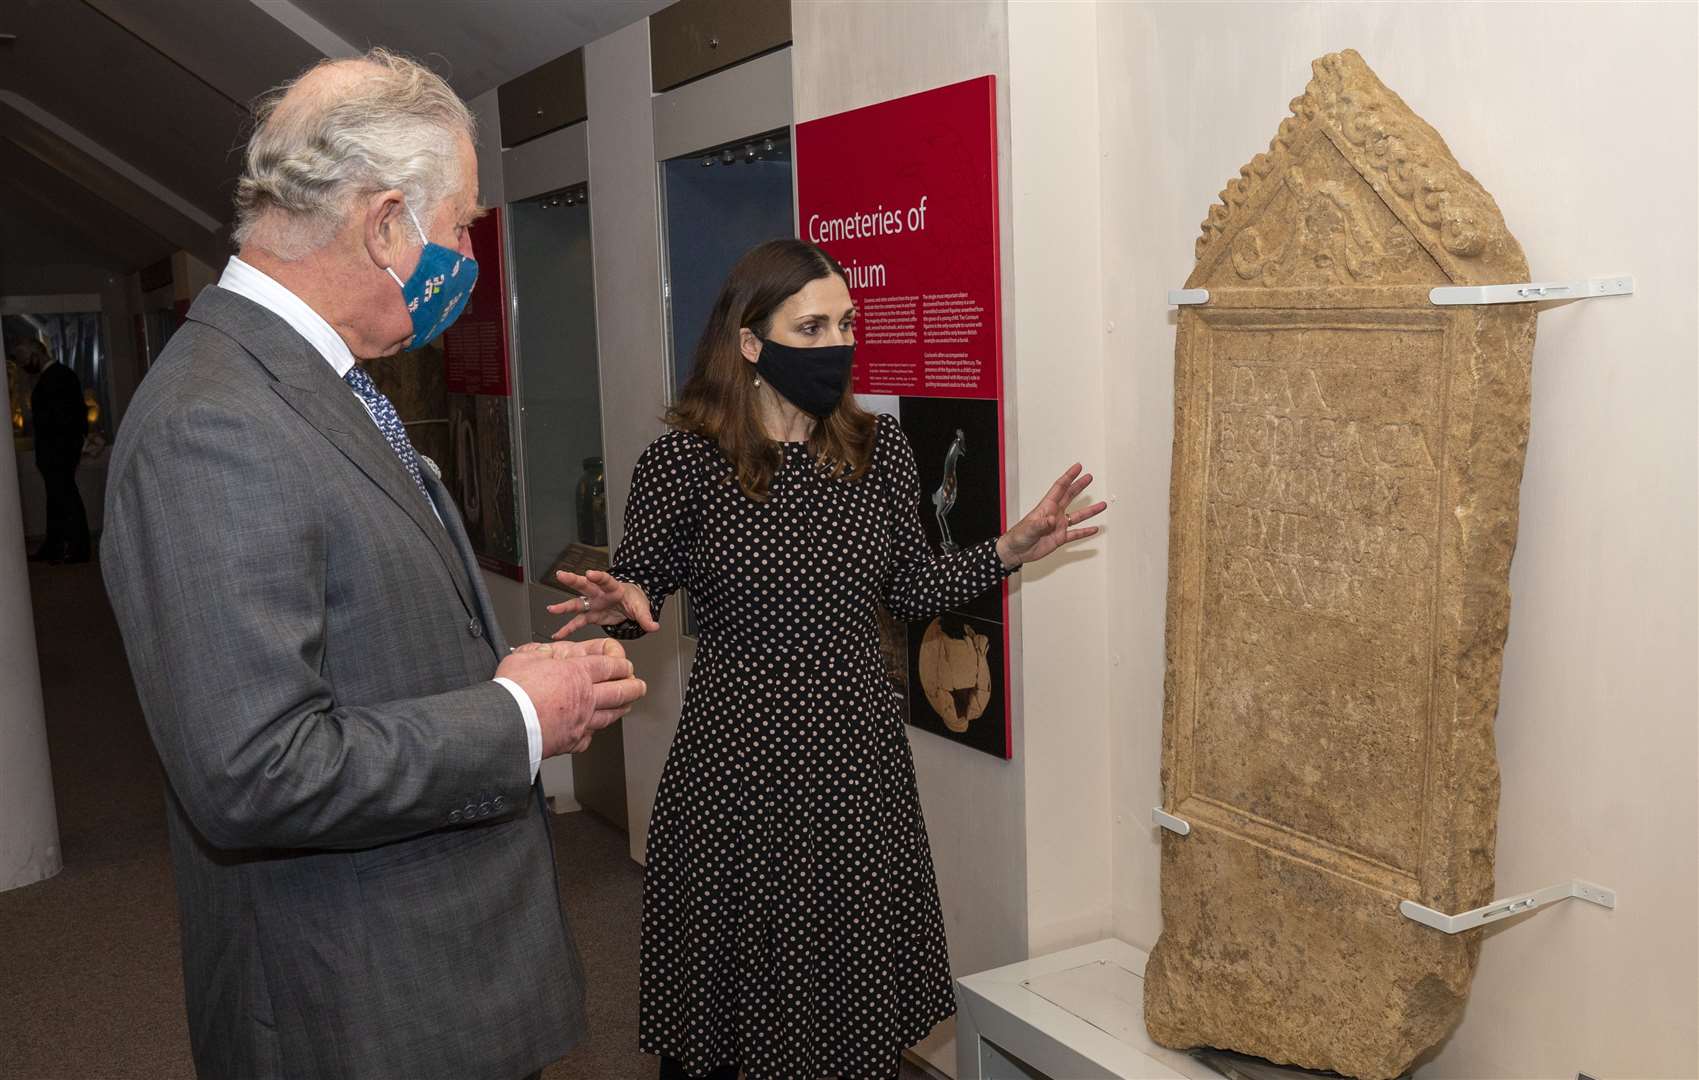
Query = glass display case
x=717 y=203
x=559 y=390
x=560 y=408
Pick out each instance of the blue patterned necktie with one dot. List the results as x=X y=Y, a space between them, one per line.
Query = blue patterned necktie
x=389 y=422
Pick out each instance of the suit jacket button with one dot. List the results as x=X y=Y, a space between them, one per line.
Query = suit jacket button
x=499 y=801
x=454 y=816
x=471 y=810
x=483 y=809
x=475 y=628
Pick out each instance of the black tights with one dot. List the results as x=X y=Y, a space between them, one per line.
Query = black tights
x=671 y=1069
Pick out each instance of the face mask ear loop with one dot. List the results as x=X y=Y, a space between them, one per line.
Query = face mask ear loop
x=423 y=239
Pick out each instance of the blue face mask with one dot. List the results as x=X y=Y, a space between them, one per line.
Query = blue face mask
x=436 y=293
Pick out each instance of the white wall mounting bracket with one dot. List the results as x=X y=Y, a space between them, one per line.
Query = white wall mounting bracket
x=1169 y=821
x=1182 y=297
x=1510 y=905
x=1528 y=292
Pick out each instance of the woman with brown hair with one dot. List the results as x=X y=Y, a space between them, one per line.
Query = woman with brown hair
x=791 y=925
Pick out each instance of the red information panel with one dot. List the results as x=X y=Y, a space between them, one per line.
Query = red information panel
x=475 y=347
x=904 y=196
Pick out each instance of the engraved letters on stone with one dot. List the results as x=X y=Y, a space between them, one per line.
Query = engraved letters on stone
x=1343 y=513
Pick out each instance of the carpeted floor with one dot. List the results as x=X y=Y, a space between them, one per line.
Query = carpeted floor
x=90 y=987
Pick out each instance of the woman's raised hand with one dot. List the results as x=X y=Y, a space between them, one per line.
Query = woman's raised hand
x=611 y=602
x=1050 y=524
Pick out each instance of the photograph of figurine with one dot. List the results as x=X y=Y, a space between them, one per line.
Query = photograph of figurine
x=957 y=662
x=956 y=445
x=944 y=496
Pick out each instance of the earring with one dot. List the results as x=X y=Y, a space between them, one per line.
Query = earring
x=757 y=380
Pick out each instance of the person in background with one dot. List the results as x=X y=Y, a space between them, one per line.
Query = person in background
x=365 y=879
x=61 y=427
x=791 y=924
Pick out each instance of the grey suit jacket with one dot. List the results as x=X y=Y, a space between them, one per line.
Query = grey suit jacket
x=364 y=872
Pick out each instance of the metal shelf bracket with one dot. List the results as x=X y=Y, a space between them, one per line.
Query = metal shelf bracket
x=1169 y=821
x=1182 y=297
x=1528 y=292
x=1512 y=905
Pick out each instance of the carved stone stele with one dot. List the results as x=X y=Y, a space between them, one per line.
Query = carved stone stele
x=1343 y=513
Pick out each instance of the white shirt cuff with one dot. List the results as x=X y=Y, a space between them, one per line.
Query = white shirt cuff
x=533 y=726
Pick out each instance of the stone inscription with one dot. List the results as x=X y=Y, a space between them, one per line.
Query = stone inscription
x=1321 y=496
x=1319 y=514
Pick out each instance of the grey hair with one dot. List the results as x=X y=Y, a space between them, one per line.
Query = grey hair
x=394 y=124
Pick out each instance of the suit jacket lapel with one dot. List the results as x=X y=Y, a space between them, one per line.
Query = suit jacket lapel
x=456 y=530
x=308 y=384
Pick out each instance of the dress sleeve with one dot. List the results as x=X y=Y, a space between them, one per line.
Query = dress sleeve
x=919 y=584
x=662 y=516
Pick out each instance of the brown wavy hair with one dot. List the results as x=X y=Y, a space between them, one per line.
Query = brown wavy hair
x=719 y=402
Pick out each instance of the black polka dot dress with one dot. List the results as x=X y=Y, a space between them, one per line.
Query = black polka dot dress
x=790 y=914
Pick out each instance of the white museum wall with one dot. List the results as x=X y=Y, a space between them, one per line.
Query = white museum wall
x=1057 y=380
x=1580 y=121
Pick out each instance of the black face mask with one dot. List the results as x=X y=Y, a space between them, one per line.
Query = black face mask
x=812 y=379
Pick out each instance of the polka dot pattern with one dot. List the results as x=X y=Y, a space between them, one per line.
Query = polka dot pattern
x=791 y=922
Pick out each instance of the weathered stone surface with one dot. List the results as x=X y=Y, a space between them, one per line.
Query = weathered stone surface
x=1346 y=465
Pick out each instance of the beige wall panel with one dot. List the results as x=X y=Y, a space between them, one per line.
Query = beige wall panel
x=740 y=101
x=546 y=163
x=625 y=232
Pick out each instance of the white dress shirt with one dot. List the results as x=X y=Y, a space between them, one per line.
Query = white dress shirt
x=269 y=293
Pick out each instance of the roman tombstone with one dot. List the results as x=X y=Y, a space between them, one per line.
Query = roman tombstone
x=1343 y=512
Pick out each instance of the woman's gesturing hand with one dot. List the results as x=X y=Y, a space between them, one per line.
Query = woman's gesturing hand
x=610 y=602
x=1050 y=524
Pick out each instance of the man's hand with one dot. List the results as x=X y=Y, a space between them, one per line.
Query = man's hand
x=578 y=687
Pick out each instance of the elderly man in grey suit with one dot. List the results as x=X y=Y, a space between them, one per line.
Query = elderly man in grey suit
x=365 y=878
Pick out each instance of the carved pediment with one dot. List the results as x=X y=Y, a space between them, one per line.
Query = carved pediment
x=1316 y=223
x=1313 y=209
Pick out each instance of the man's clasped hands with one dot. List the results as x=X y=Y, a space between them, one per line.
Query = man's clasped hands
x=578 y=688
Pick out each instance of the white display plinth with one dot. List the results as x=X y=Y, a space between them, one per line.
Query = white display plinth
x=1073 y=1015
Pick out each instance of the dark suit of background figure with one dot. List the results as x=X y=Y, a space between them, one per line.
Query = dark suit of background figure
x=61 y=426
x=365 y=879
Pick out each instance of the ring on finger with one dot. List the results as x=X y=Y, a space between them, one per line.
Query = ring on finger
x=585 y=600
